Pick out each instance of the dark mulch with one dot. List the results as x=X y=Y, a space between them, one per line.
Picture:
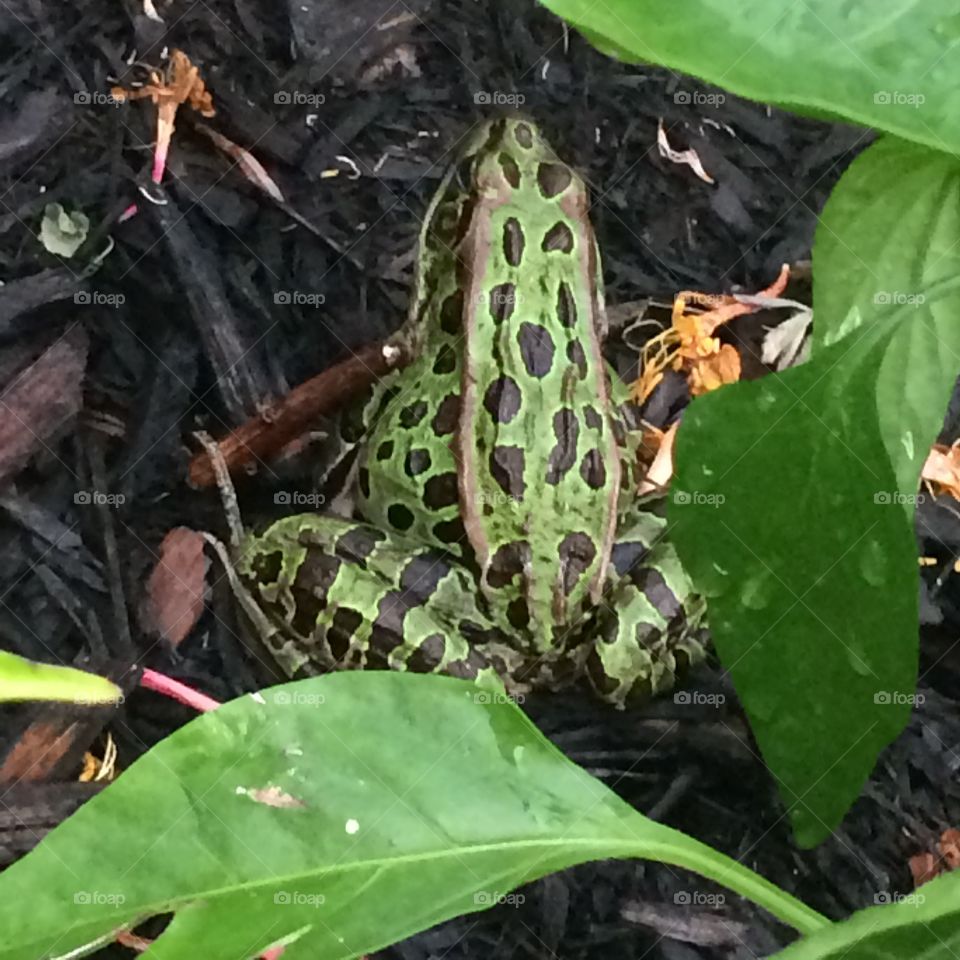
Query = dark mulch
x=213 y=301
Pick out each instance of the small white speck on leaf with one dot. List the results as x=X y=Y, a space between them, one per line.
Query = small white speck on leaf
x=352 y=826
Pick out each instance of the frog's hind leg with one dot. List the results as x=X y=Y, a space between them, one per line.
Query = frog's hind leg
x=650 y=626
x=348 y=595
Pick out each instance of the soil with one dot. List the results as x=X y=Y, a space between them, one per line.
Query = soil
x=212 y=300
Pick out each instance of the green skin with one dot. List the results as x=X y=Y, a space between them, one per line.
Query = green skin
x=501 y=533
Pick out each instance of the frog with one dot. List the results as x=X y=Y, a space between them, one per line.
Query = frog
x=497 y=534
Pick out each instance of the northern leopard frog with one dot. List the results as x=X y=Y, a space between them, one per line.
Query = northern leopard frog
x=500 y=531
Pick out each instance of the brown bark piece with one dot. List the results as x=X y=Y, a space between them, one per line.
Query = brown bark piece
x=41 y=400
x=176 y=587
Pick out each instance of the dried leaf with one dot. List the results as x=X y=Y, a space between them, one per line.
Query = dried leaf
x=176 y=588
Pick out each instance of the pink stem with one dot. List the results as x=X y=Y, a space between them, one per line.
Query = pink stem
x=169 y=687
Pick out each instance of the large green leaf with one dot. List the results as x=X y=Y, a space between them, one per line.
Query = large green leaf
x=794 y=496
x=889 y=64
x=337 y=815
x=922 y=924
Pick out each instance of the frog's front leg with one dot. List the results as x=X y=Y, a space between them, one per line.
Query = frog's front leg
x=649 y=631
x=348 y=595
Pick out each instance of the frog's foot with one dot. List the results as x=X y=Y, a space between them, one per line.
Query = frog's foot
x=347 y=595
x=649 y=628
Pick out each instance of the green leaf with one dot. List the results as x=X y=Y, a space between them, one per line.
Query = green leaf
x=22 y=679
x=887 y=64
x=63 y=233
x=336 y=815
x=921 y=924
x=794 y=496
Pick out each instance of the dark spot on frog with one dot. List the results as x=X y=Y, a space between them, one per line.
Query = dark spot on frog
x=346 y=621
x=577 y=357
x=356 y=545
x=566 y=429
x=428 y=654
x=518 y=613
x=558 y=237
x=513 y=242
x=448 y=413
x=506 y=467
x=417 y=461
x=386 y=634
x=503 y=301
x=507 y=562
x=352 y=425
x=310 y=587
x=400 y=516
x=577 y=552
x=553 y=178
x=363 y=481
x=536 y=348
x=449 y=531
x=412 y=415
x=441 y=491
x=511 y=171
x=592 y=470
x=451 y=313
x=566 y=306
x=421 y=576
x=446 y=361
x=388 y=395
x=592 y=418
x=502 y=399
x=627 y=554
x=655 y=589
x=385 y=450
x=267 y=566
x=523 y=135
